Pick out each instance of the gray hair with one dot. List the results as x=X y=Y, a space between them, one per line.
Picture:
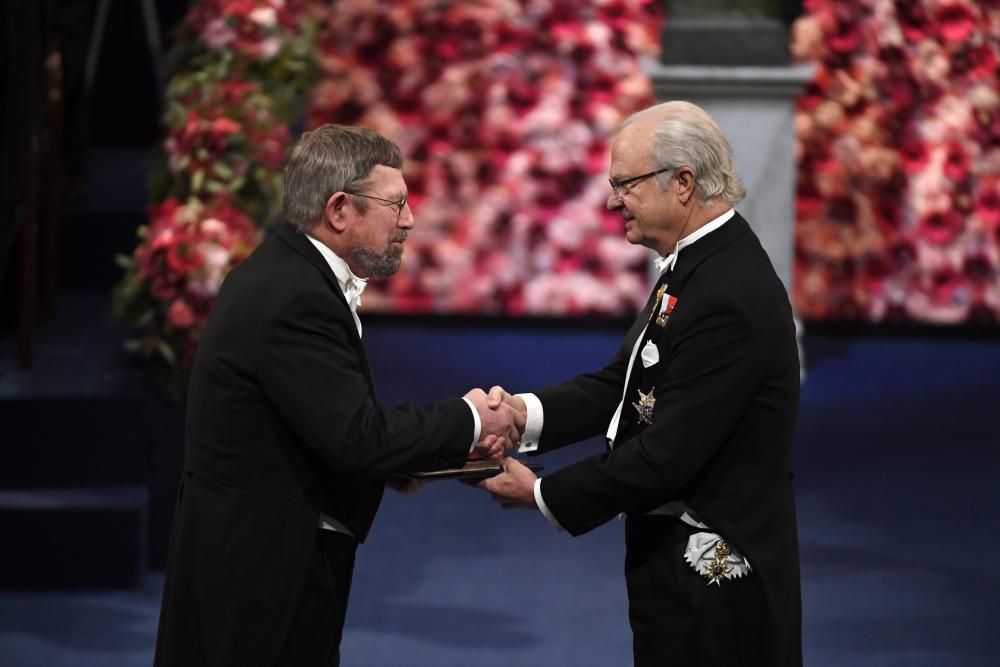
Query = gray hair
x=684 y=135
x=332 y=158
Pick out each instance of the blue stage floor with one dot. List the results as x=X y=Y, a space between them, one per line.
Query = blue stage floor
x=897 y=469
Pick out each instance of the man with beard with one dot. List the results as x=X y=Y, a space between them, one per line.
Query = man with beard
x=698 y=408
x=287 y=451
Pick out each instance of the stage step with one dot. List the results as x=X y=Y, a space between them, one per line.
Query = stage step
x=73 y=538
x=65 y=441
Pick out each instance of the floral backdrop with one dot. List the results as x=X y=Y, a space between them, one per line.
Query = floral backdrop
x=898 y=206
x=503 y=109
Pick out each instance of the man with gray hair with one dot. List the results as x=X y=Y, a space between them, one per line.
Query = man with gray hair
x=287 y=451
x=698 y=408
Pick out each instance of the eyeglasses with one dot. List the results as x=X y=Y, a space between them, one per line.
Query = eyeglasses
x=621 y=188
x=400 y=205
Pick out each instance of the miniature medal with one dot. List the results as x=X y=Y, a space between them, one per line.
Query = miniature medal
x=659 y=297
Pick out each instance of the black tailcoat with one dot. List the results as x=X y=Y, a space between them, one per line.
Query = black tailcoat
x=282 y=424
x=726 y=390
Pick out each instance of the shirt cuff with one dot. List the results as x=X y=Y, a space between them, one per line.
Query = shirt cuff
x=478 y=424
x=542 y=506
x=533 y=426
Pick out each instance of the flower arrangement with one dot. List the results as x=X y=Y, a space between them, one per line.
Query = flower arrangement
x=504 y=111
x=223 y=137
x=240 y=69
x=267 y=41
x=898 y=204
x=172 y=278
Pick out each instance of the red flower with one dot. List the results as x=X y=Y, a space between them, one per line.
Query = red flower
x=955 y=21
x=945 y=282
x=225 y=126
x=956 y=162
x=845 y=37
x=182 y=255
x=976 y=62
x=913 y=153
x=977 y=268
x=987 y=206
x=941 y=227
x=913 y=20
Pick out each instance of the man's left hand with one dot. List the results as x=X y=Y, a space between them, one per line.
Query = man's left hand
x=514 y=488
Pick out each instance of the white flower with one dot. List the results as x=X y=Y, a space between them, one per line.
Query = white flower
x=265 y=16
x=213 y=226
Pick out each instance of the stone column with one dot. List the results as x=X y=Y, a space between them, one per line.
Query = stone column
x=730 y=57
x=754 y=106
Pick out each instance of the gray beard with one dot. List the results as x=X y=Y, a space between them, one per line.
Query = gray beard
x=376 y=264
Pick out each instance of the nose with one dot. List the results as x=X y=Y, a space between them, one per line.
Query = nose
x=614 y=202
x=406 y=218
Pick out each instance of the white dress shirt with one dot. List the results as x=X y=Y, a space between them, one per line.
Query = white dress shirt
x=536 y=417
x=353 y=287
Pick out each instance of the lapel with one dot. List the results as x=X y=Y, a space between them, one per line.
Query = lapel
x=675 y=280
x=641 y=322
x=704 y=248
x=300 y=244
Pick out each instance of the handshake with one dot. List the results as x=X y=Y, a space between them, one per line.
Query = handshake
x=502 y=418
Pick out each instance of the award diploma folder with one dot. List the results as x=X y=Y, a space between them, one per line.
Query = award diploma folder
x=472 y=471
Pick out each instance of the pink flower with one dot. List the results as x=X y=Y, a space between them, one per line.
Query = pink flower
x=808 y=40
x=180 y=315
x=217 y=34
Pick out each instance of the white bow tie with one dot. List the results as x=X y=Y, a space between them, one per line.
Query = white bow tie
x=663 y=263
x=353 y=289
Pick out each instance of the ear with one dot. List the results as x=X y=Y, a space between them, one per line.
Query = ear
x=684 y=178
x=336 y=211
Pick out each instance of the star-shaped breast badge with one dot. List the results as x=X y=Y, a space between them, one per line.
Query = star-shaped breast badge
x=645 y=406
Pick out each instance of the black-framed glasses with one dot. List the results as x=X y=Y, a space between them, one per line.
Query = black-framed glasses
x=621 y=188
x=399 y=205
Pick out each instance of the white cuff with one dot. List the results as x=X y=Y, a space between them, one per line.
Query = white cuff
x=478 y=422
x=533 y=426
x=542 y=506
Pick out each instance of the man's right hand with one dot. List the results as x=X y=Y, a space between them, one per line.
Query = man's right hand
x=501 y=426
x=500 y=395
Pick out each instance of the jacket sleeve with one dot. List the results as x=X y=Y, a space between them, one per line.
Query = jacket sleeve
x=715 y=367
x=311 y=371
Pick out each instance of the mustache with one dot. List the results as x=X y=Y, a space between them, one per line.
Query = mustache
x=400 y=237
